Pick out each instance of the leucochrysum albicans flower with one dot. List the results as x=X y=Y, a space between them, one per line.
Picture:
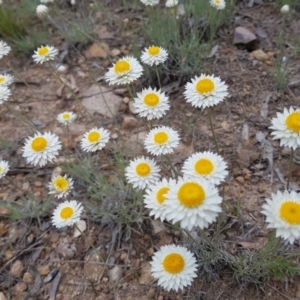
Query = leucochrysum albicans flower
x=151 y=104
x=67 y=214
x=282 y=213
x=142 y=172
x=193 y=203
x=66 y=117
x=4 y=167
x=4 y=93
x=41 y=148
x=286 y=127
x=95 y=139
x=154 y=55
x=4 y=49
x=44 y=53
x=205 y=91
x=171 y=3
x=206 y=165
x=161 y=140
x=6 y=79
x=218 y=4
x=60 y=186
x=124 y=71
x=155 y=198
x=174 y=266
x=150 y=2
x=42 y=11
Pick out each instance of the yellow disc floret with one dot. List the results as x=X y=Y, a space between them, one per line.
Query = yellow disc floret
x=191 y=194
x=204 y=166
x=160 y=195
x=161 y=138
x=151 y=99
x=173 y=263
x=66 y=116
x=290 y=212
x=39 y=144
x=94 y=136
x=122 y=66
x=61 y=183
x=143 y=169
x=205 y=86
x=66 y=212
x=2 y=79
x=154 y=50
x=43 y=51
x=293 y=121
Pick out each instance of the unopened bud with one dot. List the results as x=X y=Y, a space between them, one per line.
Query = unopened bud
x=285 y=9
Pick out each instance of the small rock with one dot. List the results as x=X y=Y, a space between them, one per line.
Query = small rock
x=81 y=225
x=151 y=293
x=17 y=268
x=240 y=179
x=19 y=288
x=93 y=272
x=126 y=100
x=97 y=50
x=129 y=122
x=38 y=183
x=65 y=249
x=28 y=278
x=259 y=55
x=245 y=37
x=44 y=270
x=115 y=274
x=115 y=52
x=158 y=226
x=146 y=276
x=132 y=108
x=2 y=296
x=150 y=251
x=123 y=256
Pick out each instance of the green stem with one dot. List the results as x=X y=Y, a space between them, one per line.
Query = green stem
x=172 y=167
x=129 y=91
x=290 y=168
x=212 y=129
x=158 y=78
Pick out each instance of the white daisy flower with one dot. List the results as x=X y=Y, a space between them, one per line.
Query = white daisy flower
x=206 y=165
x=4 y=167
x=161 y=140
x=60 y=186
x=95 y=139
x=174 y=266
x=218 y=4
x=151 y=104
x=171 y=3
x=42 y=11
x=67 y=214
x=150 y=2
x=44 y=53
x=205 y=91
x=4 y=49
x=142 y=172
x=286 y=127
x=154 y=55
x=193 y=202
x=124 y=71
x=66 y=117
x=4 y=93
x=283 y=214
x=41 y=148
x=155 y=198
x=6 y=79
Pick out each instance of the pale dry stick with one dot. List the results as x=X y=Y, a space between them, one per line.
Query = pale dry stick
x=212 y=129
x=290 y=168
x=69 y=88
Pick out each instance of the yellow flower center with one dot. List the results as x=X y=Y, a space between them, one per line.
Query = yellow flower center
x=94 y=136
x=143 y=169
x=204 y=166
x=2 y=79
x=217 y=2
x=290 y=212
x=173 y=263
x=154 y=50
x=43 y=51
x=39 y=144
x=61 y=183
x=205 y=86
x=66 y=213
x=160 y=195
x=66 y=116
x=293 y=121
x=151 y=99
x=122 y=66
x=191 y=194
x=161 y=138
x=1 y=169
